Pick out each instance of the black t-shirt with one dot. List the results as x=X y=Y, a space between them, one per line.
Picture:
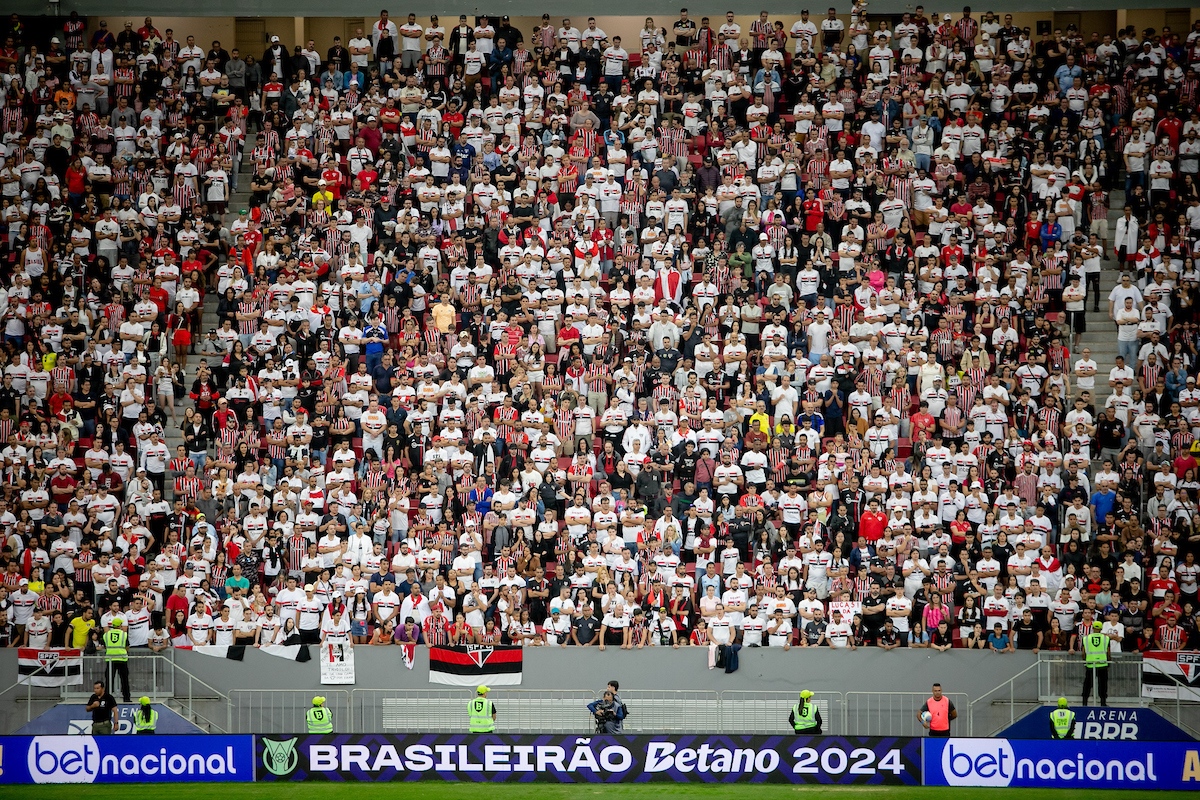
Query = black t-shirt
x=687 y=39
x=1026 y=634
x=102 y=712
x=874 y=612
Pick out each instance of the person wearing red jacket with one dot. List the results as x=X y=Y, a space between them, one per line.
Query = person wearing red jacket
x=872 y=522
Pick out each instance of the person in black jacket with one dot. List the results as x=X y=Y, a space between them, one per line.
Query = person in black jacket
x=275 y=60
x=508 y=33
x=338 y=55
x=460 y=37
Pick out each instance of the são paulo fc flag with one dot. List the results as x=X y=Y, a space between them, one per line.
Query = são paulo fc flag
x=49 y=666
x=475 y=664
x=1171 y=675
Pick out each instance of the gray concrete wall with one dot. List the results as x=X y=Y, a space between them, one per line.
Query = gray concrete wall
x=866 y=670
x=761 y=669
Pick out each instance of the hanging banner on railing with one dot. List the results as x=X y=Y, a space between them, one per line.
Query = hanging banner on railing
x=830 y=760
x=337 y=664
x=1171 y=676
x=49 y=666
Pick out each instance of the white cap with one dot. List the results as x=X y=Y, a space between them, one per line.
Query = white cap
x=275 y=39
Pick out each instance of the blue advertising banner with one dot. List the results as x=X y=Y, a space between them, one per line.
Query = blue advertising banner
x=1130 y=724
x=127 y=759
x=74 y=721
x=829 y=760
x=1062 y=764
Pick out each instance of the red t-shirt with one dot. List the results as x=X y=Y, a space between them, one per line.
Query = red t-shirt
x=871 y=525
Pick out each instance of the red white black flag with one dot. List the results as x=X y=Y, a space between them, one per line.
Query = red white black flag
x=49 y=666
x=475 y=664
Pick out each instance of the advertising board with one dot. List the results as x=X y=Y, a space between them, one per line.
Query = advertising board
x=830 y=760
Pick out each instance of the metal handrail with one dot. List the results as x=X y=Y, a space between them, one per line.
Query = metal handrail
x=28 y=691
x=1047 y=660
x=1011 y=683
x=1179 y=704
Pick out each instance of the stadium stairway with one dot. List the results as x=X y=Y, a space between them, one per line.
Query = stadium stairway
x=1101 y=335
x=174 y=436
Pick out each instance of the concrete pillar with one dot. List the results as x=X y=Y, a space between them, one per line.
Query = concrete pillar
x=301 y=33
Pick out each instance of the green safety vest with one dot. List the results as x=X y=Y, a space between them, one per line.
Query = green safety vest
x=140 y=723
x=319 y=720
x=115 y=642
x=1095 y=650
x=804 y=717
x=480 y=710
x=1062 y=719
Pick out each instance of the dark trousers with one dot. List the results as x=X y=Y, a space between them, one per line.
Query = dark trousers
x=119 y=669
x=1093 y=284
x=1099 y=675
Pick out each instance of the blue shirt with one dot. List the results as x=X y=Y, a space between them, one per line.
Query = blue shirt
x=715 y=580
x=1066 y=76
x=378 y=331
x=1103 y=502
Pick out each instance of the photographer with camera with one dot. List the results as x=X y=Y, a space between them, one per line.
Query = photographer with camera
x=608 y=713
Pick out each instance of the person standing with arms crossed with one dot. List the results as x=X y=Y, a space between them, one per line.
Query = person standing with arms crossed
x=482 y=712
x=941 y=712
x=1095 y=663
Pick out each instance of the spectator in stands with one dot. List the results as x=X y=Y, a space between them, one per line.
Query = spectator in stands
x=815 y=319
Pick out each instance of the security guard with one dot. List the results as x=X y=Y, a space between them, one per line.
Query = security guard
x=482 y=712
x=805 y=717
x=116 y=653
x=1062 y=721
x=145 y=719
x=1095 y=662
x=319 y=718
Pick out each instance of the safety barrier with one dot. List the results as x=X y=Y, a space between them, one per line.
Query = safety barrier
x=149 y=674
x=668 y=711
x=651 y=711
x=283 y=710
x=1062 y=676
x=755 y=712
x=895 y=713
x=444 y=710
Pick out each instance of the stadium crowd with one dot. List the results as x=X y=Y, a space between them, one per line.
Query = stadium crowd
x=767 y=335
